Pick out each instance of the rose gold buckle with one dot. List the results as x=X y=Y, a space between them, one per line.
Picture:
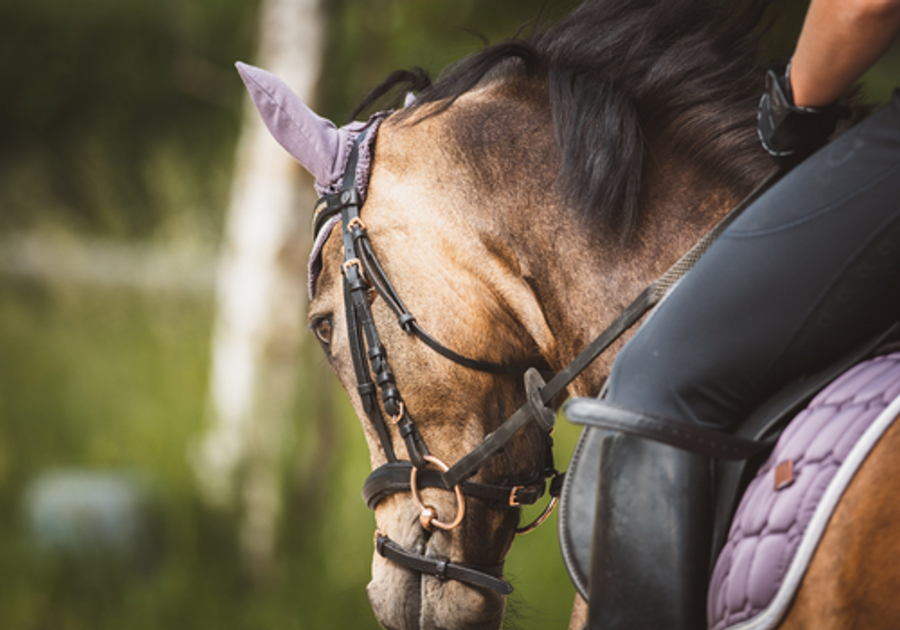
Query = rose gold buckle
x=513 y=496
x=353 y=262
x=356 y=221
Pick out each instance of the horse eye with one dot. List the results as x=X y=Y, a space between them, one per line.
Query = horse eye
x=323 y=330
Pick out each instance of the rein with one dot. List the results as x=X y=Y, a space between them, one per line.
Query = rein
x=362 y=271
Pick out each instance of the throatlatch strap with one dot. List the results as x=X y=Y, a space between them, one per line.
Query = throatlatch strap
x=489 y=577
x=408 y=322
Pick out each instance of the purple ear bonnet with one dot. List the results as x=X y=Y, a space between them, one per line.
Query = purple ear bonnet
x=321 y=147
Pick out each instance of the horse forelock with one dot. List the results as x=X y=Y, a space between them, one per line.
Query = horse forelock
x=621 y=80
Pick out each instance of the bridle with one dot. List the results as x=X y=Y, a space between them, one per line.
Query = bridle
x=362 y=271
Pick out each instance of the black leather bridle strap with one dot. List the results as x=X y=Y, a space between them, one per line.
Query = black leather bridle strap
x=356 y=309
x=407 y=320
x=488 y=577
x=394 y=477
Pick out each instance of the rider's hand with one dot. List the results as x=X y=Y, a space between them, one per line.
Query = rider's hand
x=788 y=132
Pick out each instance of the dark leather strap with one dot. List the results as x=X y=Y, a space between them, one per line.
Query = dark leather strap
x=394 y=477
x=489 y=577
x=603 y=415
x=326 y=207
x=408 y=322
x=651 y=296
x=648 y=298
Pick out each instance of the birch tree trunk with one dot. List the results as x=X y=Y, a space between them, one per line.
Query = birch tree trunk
x=261 y=297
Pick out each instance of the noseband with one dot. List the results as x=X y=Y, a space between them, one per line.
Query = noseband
x=361 y=272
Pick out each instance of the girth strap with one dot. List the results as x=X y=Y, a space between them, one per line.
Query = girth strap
x=489 y=577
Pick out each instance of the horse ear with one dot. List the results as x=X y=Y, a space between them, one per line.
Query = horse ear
x=313 y=141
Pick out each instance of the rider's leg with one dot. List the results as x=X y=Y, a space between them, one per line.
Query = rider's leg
x=805 y=275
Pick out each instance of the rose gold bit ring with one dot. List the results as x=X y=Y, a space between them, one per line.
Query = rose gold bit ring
x=428 y=514
x=540 y=519
x=400 y=411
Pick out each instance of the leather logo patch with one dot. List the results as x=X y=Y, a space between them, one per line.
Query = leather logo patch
x=784 y=474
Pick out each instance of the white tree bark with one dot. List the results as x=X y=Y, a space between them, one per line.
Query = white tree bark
x=261 y=296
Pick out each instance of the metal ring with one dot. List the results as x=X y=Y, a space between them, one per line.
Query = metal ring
x=354 y=221
x=397 y=418
x=540 y=519
x=427 y=517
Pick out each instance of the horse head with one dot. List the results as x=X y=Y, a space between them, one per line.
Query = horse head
x=446 y=259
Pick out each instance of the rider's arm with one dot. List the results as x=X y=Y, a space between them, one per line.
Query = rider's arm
x=840 y=40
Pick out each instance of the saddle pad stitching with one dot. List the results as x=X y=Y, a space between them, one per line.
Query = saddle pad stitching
x=778 y=607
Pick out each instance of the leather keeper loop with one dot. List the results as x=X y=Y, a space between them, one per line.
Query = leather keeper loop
x=384 y=379
x=406 y=320
x=366 y=389
x=355 y=281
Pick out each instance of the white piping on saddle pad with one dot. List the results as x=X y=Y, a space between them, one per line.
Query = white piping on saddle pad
x=773 y=614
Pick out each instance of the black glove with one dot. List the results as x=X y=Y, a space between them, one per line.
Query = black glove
x=790 y=133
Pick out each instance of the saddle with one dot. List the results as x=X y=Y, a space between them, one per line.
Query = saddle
x=870 y=374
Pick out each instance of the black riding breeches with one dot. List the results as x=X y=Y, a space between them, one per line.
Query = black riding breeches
x=806 y=274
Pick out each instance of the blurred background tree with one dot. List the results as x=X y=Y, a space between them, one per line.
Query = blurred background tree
x=119 y=121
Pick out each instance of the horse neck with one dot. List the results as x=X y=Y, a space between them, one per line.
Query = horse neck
x=585 y=277
x=579 y=276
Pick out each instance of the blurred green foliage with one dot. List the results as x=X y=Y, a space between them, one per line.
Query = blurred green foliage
x=98 y=97
x=373 y=38
x=115 y=381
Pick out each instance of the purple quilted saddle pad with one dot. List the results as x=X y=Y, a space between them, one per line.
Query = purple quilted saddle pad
x=786 y=507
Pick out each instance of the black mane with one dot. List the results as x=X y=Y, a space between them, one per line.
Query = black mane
x=620 y=72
